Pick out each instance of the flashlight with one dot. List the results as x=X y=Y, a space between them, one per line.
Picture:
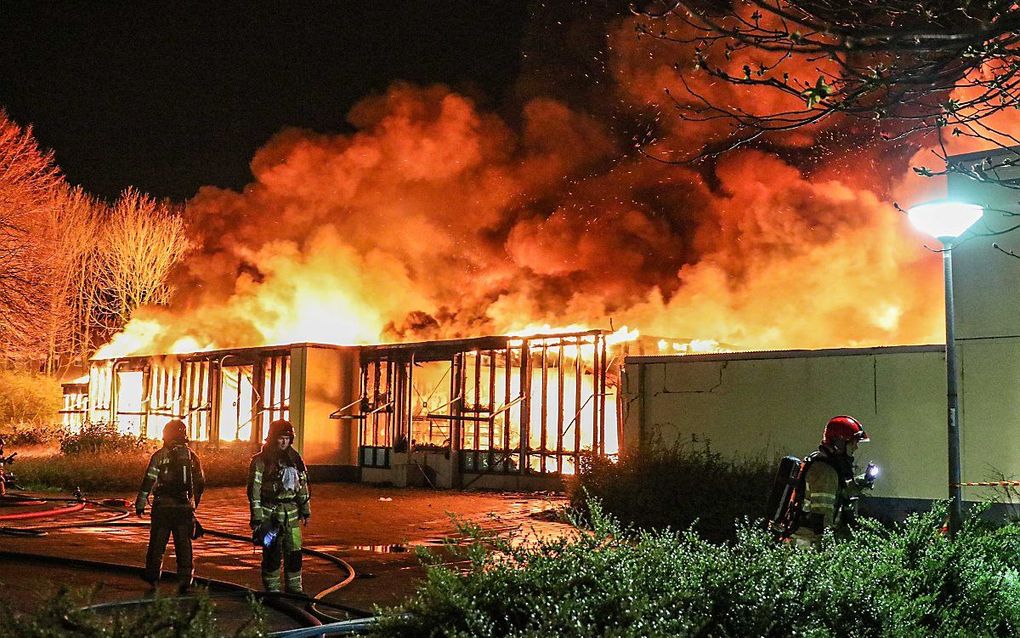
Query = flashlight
x=871 y=473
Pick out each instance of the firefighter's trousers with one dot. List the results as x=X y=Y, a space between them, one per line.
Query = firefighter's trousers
x=285 y=549
x=178 y=522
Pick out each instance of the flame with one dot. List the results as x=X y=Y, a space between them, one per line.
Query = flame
x=587 y=348
x=692 y=346
x=441 y=219
x=575 y=417
x=130 y=401
x=618 y=336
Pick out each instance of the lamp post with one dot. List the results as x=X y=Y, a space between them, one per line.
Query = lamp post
x=946 y=221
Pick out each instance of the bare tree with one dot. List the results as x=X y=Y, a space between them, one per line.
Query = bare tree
x=72 y=250
x=29 y=182
x=141 y=242
x=938 y=66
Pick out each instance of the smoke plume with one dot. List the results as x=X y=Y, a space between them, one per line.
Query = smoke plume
x=442 y=218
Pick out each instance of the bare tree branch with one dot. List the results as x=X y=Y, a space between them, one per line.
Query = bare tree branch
x=916 y=67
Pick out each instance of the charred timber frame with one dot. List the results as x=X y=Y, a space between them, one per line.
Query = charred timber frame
x=514 y=404
x=486 y=436
x=189 y=387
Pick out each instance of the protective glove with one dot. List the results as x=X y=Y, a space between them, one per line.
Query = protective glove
x=254 y=522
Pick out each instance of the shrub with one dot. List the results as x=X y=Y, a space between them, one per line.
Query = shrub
x=25 y=433
x=100 y=437
x=64 y=616
x=910 y=580
x=28 y=398
x=676 y=487
x=29 y=404
x=90 y=472
x=225 y=464
x=112 y=471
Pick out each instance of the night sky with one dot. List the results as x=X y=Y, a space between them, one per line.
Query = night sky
x=169 y=97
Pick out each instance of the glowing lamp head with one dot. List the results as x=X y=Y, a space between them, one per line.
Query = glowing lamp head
x=945 y=220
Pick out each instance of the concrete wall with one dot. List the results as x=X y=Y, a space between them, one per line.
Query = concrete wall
x=988 y=329
x=322 y=380
x=776 y=403
x=984 y=278
x=773 y=404
x=421 y=468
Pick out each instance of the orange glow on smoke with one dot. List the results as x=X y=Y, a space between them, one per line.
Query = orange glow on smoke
x=439 y=219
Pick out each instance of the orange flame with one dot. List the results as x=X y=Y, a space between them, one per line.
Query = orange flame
x=438 y=219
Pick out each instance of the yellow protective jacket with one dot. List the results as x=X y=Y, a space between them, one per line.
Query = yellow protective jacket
x=830 y=492
x=267 y=492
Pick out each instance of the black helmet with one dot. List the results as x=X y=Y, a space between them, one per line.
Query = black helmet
x=175 y=430
x=280 y=428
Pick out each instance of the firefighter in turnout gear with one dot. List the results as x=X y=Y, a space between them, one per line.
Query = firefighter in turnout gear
x=279 y=500
x=175 y=480
x=831 y=491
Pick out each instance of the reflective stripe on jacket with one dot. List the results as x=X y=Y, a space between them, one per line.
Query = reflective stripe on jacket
x=266 y=492
x=150 y=482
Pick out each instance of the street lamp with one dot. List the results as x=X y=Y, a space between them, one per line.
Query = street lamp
x=946 y=221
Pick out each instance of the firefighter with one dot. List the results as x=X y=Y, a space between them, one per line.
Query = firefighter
x=176 y=481
x=279 y=500
x=831 y=490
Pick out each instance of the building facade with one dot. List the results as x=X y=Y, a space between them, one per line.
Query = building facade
x=499 y=412
x=775 y=403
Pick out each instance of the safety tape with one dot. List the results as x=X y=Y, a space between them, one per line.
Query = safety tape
x=987 y=484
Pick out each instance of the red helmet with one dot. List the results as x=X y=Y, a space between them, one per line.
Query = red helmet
x=175 y=430
x=280 y=428
x=843 y=428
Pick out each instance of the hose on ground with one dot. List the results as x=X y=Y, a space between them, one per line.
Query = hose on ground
x=280 y=604
x=20 y=516
x=315 y=603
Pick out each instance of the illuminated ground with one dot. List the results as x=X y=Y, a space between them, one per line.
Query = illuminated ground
x=374 y=529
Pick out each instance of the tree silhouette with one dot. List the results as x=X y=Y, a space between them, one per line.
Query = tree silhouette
x=914 y=68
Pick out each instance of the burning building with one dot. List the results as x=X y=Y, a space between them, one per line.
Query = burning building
x=438 y=220
x=769 y=403
x=504 y=411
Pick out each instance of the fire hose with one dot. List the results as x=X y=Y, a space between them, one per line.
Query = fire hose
x=77 y=507
x=276 y=602
x=314 y=603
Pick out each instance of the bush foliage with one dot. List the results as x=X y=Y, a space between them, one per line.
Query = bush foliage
x=25 y=434
x=28 y=407
x=676 y=487
x=94 y=438
x=908 y=580
x=65 y=616
x=107 y=470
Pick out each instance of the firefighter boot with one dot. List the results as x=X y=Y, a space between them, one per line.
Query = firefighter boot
x=271 y=580
x=292 y=572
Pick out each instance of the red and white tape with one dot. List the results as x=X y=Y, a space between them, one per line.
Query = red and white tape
x=987 y=484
